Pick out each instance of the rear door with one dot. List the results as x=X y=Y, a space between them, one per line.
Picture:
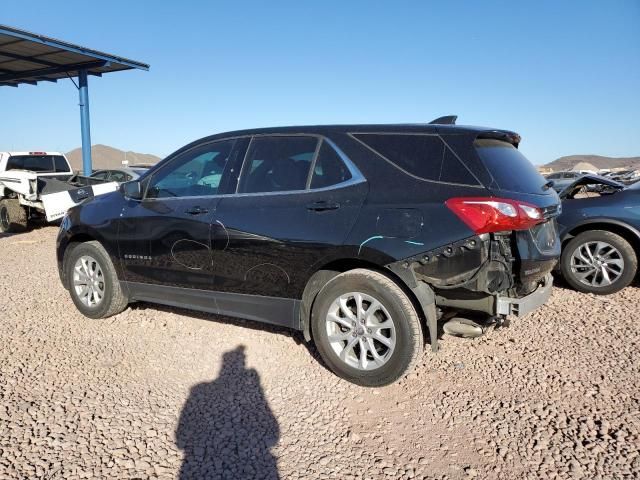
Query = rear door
x=296 y=199
x=165 y=239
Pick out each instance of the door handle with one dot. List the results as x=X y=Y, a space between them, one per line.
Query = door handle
x=322 y=206
x=196 y=211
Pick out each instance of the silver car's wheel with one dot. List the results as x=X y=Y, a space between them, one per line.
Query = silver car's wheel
x=360 y=331
x=88 y=281
x=597 y=264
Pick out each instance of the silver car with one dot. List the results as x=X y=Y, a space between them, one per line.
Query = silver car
x=119 y=175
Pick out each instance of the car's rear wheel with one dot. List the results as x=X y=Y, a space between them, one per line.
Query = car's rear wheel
x=598 y=262
x=93 y=282
x=13 y=216
x=366 y=328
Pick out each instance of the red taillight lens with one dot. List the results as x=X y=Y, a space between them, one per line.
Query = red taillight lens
x=491 y=214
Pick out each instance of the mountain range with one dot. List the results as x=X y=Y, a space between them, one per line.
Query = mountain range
x=105 y=157
x=598 y=161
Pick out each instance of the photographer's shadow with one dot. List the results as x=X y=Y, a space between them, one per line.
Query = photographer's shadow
x=226 y=427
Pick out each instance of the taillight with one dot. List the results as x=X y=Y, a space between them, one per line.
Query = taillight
x=491 y=214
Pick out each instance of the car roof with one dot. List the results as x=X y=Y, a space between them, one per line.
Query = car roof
x=34 y=152
x=364 y=128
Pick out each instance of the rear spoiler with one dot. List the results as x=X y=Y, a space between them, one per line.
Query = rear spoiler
x=505 y=135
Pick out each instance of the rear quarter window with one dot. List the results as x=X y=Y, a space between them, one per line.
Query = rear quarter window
x=510 y=169
x=421 y=155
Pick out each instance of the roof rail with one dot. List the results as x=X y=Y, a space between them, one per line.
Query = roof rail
x=446 y=120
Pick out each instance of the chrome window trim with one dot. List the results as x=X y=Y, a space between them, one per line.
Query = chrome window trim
x=356 y=176
x=347 y=183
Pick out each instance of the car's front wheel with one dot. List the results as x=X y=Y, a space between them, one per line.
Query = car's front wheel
x=598 y=262
x=366 y=328
x=93 y=282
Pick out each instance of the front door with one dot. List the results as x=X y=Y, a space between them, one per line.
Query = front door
x=165 y=239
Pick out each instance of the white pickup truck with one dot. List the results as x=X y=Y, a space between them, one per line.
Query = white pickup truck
x=41 y=184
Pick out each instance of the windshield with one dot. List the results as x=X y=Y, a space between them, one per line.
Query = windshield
x=509 y=168
x=38 y=163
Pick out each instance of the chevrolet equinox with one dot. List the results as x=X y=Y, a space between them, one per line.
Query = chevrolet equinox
x=367 y=238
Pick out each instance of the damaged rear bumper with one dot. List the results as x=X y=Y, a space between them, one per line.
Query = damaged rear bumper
x=521 y=306
x=497 y=304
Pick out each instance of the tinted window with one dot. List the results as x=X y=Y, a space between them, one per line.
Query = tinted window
x=425 y=156
x=194 y=173
x=117 y=176
x=452 y=171
x=60 y=164
x=569 y=175
x=277 y=164
x=38 y=163
x=554 y=175
x=100 y=174
x=510 y=169
x=329 y=168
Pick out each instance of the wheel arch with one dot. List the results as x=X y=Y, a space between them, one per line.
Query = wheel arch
x=626 y=231
x=65 y=248
x=331 y=269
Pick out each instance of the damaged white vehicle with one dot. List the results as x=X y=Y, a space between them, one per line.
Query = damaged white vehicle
x=41 y=185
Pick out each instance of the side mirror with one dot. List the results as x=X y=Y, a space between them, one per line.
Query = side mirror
x=132 y=190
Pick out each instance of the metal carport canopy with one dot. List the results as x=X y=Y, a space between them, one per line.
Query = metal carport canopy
x=29 y=58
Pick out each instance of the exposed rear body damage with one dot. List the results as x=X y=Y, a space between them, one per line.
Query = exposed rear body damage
x=38 y=184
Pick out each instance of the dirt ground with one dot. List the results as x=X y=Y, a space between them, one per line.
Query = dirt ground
x=168 y=393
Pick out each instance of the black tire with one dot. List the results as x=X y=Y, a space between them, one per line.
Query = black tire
x=627 y=254
x=409 y=340
x=13 y=216
x=113 y=300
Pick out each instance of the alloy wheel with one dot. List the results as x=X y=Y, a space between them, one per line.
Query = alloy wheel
x=361 y=331
x=88 y=281
x=597 y=264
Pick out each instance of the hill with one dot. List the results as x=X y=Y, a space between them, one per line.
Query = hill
x=568 y=162
x=104 y=156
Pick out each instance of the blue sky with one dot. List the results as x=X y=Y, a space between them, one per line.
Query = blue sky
x=565 y=75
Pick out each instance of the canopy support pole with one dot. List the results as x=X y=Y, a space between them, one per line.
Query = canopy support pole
x=85 y=125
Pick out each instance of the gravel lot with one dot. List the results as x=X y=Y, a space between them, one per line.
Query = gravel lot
x=160 y=392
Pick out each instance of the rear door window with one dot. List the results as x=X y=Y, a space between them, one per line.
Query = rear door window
x=277 y=164
x=420 y=155
x=510 y=169
x=329 y=168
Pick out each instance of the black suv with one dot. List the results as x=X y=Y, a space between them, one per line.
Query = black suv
x=364 y=237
